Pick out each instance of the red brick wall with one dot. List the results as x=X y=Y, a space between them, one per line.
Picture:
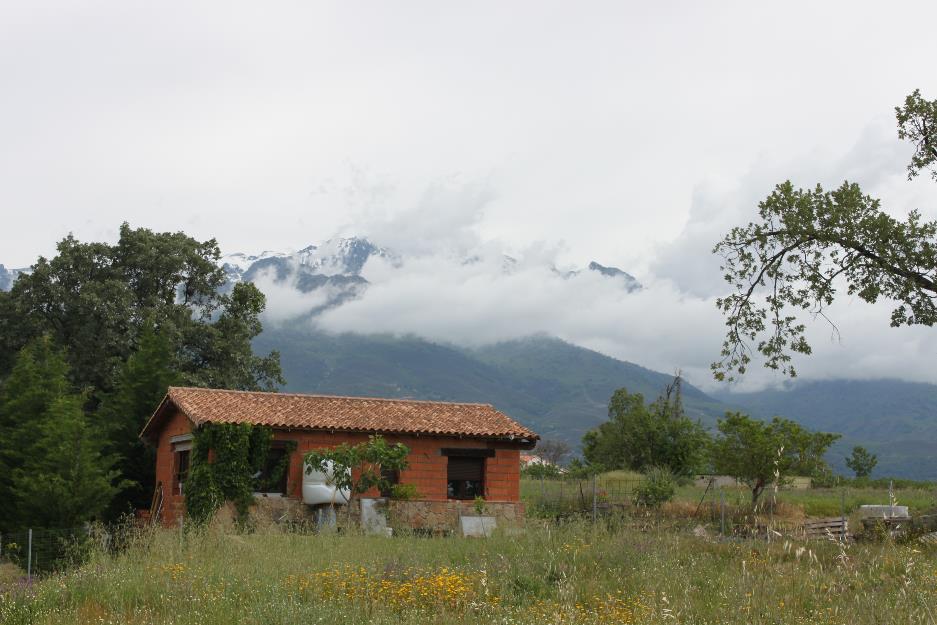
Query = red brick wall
x=173 y=504
x=427 y=467
x=426 y=471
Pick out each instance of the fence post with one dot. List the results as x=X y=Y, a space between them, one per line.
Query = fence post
x=842 y=513
x=29 y=556
x=594 y=500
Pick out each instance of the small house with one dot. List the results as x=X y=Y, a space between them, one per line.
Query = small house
x=458 y=451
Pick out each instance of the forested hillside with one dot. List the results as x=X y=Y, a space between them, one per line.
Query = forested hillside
x=558 y=389
x=894 y=419
x=562 y=390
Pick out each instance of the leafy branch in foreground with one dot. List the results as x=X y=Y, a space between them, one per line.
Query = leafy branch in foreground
x=808 y=243
x=359 y=468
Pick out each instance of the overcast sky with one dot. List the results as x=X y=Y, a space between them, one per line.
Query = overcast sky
x=632 y=133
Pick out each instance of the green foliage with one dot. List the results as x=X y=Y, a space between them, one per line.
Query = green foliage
x=539 y=470
x=861 y=462
x=809 y=241
x=639 y=436
x=56 y=473
x=545 y=383
x=270 y=482
x=225 y=457
x=574 y=572
x=763 y=453
x=358 y=468
x=917 y=123
x=93 y=298
x=404 y=492
x=581 y=470
x=479 y=505
x=895 y=420
x=130 y=319
x=65 y=478
x=658 y=487
x=141 y=384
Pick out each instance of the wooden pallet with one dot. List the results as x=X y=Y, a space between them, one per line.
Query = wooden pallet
x=930 y=539
x=156 y=505
x=836 y=527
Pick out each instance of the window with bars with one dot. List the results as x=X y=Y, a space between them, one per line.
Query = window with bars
x=181 y=472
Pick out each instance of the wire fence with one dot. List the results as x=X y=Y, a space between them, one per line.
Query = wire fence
x=547 y=497
x=36 y=552
x=720 y=503
x=40 y=551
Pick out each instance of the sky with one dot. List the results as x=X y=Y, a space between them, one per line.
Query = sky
x=630 y=133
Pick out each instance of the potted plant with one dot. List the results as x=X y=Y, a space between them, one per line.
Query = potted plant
x=478 y=525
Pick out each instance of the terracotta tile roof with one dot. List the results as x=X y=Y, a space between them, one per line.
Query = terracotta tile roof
x=348 y=414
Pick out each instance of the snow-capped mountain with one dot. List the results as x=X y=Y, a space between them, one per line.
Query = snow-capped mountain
x=333 y=269
x=335 y=257
x=630 y=282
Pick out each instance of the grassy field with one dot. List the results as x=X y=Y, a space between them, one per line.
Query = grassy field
x=575 y=573
x=617 y=486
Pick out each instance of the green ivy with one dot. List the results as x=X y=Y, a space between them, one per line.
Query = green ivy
x=239 y=452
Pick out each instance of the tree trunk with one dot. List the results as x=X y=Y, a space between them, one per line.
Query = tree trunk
x=757 y=489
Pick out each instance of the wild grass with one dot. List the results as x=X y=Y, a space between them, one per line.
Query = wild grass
x=572 y=573
x=615 y=487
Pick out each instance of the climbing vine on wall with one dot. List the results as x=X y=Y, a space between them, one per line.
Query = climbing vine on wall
x=225 y=459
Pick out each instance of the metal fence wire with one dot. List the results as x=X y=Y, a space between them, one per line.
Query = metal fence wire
x=569 y=496
x=37 y=552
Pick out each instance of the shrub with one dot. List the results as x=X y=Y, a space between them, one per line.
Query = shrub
x=537 y=470
x=404 y=492
x=658 y=487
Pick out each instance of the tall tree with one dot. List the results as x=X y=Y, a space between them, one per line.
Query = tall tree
x=142 y=383
x=552 y=451
x=36 y=381
x=808 y=244
x=861 y=462
x=93 y=299
x=66 y=478
x=56 y=473
x=130 y=319
x=763 y=453
x=638 y=436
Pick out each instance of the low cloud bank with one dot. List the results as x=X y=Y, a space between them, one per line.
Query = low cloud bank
x=452 y=285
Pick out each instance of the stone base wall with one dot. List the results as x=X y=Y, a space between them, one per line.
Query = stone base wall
x=441 y=516
x=434 y=516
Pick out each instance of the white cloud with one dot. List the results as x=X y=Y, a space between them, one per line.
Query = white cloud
x=634 y=134
x=670 y=324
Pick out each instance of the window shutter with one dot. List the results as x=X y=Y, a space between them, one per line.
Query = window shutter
x=470 y=469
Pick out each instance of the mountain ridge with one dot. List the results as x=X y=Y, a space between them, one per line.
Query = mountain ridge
x=558 y=388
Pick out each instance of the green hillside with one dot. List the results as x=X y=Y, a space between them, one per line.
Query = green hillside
x=561 y=390
x=557 y=389
x=895 y=420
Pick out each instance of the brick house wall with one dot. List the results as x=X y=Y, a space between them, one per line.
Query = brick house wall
x=173 y=502
x=427 y=469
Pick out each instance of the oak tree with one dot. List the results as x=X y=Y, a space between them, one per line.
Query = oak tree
x=809 y=245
